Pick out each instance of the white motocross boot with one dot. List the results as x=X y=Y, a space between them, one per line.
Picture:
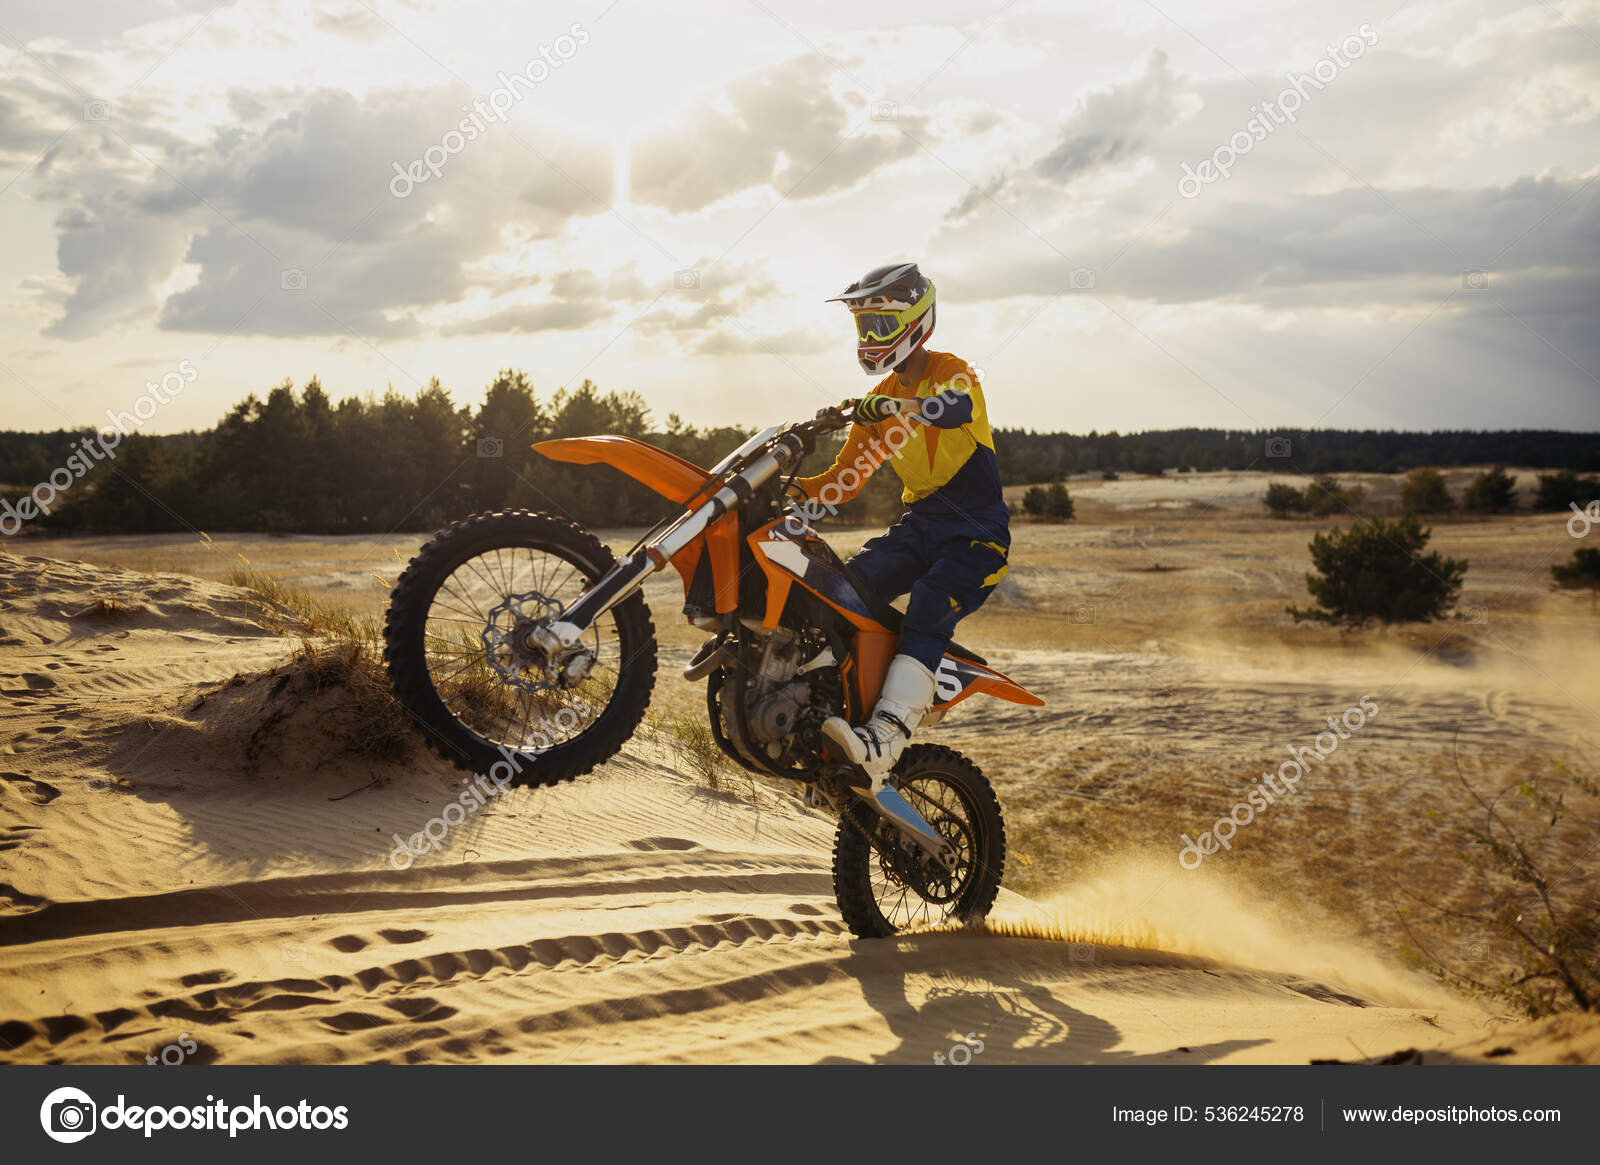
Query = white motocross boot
x=876 y=745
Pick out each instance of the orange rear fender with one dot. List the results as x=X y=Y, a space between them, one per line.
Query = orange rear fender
x=959 y=678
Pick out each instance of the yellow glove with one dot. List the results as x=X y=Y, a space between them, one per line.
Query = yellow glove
x=875 y=407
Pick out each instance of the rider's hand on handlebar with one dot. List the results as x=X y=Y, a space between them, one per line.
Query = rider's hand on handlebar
x=872 y=408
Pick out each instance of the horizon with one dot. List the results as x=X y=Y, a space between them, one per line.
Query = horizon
x=658 y=420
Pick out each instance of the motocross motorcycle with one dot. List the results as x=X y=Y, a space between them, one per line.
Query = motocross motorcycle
x=521 y=645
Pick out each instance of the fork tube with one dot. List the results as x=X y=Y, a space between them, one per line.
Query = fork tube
x=626 y=576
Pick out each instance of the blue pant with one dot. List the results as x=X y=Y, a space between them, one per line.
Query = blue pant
x=948 y=563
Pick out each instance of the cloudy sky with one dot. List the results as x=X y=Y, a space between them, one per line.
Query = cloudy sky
x=666 y=194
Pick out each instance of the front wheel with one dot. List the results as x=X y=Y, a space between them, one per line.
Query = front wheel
x=884 y=882
x=458 y=644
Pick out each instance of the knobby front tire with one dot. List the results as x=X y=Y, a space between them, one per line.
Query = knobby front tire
x=452 y=579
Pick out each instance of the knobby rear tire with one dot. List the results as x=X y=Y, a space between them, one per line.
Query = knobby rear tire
x=854 y=859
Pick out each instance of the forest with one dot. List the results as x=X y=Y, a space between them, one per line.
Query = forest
x=299 y=462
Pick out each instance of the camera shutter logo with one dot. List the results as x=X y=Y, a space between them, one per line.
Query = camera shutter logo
x=68 y=1115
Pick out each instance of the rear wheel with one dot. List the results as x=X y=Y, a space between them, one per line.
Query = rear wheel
x=459 y=655
x=885 y=883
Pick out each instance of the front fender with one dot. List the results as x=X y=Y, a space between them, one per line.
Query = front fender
x=674 y=478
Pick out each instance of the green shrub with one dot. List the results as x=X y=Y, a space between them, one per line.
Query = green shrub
x=1580 y=574
x=1284 y=500
x=1326 y=497
x=1376 y=570
x=1425 y=492
x=1492 y=492
x=1051 y=503
x=1559 y=491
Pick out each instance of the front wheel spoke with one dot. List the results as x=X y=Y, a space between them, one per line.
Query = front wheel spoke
x=452 y=586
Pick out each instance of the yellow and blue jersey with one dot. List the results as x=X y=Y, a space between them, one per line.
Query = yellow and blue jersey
x=946 y=462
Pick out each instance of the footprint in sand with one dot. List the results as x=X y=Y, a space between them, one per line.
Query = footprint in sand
x=352 y=1021
x=35 y=682
x=14 y=901
x=206 y=978
x=649 y=844
x=403 y=936
x=12 y=837
x=422 y=1009
x=30 y=790
x=348 y=944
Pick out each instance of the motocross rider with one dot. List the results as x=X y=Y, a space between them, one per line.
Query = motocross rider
x=948 y=550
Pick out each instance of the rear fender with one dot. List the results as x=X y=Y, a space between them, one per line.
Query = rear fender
x=959 y=678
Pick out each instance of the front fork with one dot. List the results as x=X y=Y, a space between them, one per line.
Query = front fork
x=561 y=641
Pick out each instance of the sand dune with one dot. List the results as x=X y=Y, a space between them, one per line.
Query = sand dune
x=193 y=867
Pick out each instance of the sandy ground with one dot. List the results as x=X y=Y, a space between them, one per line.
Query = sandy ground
x=191 y=864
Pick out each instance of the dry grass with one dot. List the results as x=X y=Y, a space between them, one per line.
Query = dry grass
x=108 y=607
x=338 y=650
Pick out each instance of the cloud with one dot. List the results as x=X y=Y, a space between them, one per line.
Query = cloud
x=578 y=298
x=351 y=20
x=549 y=316
x=117 y=259
x=781 y=127
x=1110 y=126
x=732 y=342
x=1353 y=246
x=294 y=181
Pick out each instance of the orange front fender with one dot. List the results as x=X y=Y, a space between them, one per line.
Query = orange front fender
x=674 y=478
x=671 y=476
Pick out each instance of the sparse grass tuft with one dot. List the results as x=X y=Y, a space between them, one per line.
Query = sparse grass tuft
x=694 y=747
x=338 y=649
x=107 y=607
x=1532 y=933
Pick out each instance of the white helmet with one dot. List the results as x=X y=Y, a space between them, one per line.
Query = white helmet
x=894 y=310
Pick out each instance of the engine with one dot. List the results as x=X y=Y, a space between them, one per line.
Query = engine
x=794 y=689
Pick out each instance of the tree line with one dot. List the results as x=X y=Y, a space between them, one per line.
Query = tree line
x=299 y=462
x=1028 y=456
x=1425 y=491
